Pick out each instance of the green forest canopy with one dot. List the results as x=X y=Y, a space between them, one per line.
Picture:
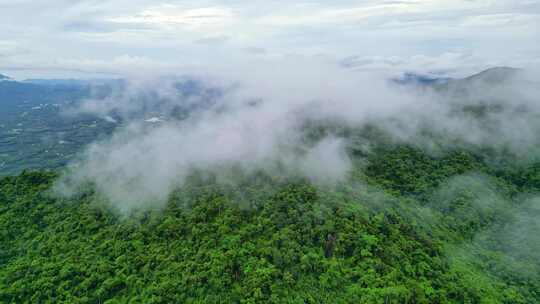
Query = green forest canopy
x=408 y=227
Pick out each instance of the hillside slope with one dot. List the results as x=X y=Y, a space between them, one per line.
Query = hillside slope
x=409 y=228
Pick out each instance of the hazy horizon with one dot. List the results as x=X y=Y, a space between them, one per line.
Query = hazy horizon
x=168 y=37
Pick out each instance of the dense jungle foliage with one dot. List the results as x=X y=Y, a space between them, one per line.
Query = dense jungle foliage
x=408 y=227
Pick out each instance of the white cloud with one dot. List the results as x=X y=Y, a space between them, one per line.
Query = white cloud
x=171 y=15
x=258 y=123
x=180 y=32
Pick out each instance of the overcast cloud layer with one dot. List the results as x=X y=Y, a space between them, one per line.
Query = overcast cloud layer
x=58 y=38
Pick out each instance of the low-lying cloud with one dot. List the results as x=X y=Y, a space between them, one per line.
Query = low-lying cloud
x=255 y=117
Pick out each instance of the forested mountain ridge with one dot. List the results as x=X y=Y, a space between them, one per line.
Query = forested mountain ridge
x=400 y=238
x=246 y=152
x=446 y=213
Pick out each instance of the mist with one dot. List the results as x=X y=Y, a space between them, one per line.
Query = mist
x=254 y=117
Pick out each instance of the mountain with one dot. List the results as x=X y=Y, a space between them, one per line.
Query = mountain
x=30 y=120
x=431 y=233
x=489 y=86
x=74 y=82
x=494 y=75
x=410 y=78
x=491 y=76
x=435 y=220
x=4 y=77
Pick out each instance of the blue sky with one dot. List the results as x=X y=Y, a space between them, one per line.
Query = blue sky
x=70 y=38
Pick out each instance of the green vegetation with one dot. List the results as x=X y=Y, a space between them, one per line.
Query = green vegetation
x=34 y=134
x=408 y=227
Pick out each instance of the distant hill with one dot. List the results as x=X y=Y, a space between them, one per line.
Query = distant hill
x=30 y=120
x=494 y=75
x=410 y=78
x=73 y=82
x=4 y=77
x=475 y=86
x=490 y=76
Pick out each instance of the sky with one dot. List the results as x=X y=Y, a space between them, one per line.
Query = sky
x=78 y=38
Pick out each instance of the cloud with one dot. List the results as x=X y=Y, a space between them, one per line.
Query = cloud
x=212 y=40
x=9 y=48
x=167 y=15
x=258 y=120
x=175 y=32
x=255 y=50
x=256 y=124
